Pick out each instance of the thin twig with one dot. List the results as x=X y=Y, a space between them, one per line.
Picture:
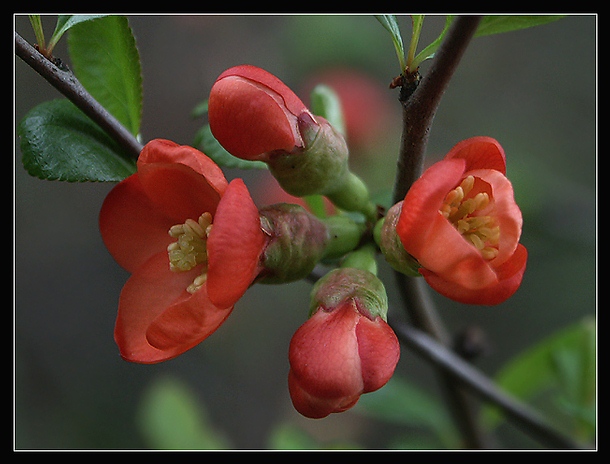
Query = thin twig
x=481 y=385
x=64 y=81
x=419 y=108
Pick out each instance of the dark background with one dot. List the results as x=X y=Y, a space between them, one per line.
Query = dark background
x=534 y=90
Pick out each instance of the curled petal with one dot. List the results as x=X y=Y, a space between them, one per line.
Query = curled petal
x=235 y=244
x=148 y=293
x=421 y=205
x=480 y=153
x=181 y=181
x=251 y=113
x=509 y=277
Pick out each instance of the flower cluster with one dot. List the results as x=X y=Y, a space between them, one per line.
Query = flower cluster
x=195 y=242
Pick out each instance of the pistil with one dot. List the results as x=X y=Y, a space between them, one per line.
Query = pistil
x=480 y=230
x=190 y=248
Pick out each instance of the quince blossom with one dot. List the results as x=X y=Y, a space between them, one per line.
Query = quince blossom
x=459 y=220
x=192 y=243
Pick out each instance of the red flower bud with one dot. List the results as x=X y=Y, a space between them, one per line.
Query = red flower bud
x=252 y=113
x=460 y=221
x=345 y=349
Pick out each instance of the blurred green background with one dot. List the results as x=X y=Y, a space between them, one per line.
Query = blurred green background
x=534 y=90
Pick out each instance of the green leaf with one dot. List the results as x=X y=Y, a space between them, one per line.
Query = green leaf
x=430 y=50
x=205 y=141
x=65 y=22
x=170 y=417
x=106 y=61
x=496 y=24
x=59 y=142
x=325 y=102
x=562 y=365
x=391 y=25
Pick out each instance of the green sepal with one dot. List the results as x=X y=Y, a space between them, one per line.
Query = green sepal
x=349 y=283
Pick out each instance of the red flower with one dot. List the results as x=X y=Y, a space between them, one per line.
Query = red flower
x=184 y=283
x=460 y=221
x=338 y=354
x=251 y=112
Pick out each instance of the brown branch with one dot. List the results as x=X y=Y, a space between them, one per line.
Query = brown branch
x=64 y=81
x=419 y=105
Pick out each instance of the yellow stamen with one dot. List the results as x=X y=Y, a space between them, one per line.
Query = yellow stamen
x=480 y=230
x=190 y=248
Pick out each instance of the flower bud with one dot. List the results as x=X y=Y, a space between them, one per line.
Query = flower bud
x=346 y=348
x=297 y=242
x=253 y=114
x=390 y=245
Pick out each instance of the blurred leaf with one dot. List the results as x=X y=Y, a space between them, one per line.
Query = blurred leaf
x=325 y=102
x=286 y=436
x=171 y=418
x=562 y=365
x=496 y=24
x=205 y=141
x=107 y=63
x=402 y=403
x=65 y=22
x=59 y=142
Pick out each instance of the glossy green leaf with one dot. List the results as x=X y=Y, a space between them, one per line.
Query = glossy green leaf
x=170 y=417
x=562 y=365
x=59 y=142
x=106 y=61
x=205 y=141
x=497 y=24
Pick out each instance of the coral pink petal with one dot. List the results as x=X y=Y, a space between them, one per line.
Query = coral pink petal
x=248 y=121
x=323 y=353
x=510 y=275
x=235 y=244
x=160 y=151
x=378 y=350
x=480 y=153
x=178 y=191
x=292 y=102
x=422 y=202
x=186 y=323
x=132 y=228
x=506 y=212
x=150 y=290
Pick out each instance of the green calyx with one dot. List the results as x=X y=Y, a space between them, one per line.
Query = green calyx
x=350 y=283
x=390 y=245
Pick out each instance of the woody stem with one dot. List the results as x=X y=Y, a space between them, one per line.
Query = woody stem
x=418 y=109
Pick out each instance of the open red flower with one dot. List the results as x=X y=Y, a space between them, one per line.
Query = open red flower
x=192 y=242
x=251 y=112
x=343 y=350
x=460 y=221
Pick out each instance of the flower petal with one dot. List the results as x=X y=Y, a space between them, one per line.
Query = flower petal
x=186 y=323
x=132 y=228
x=480 y=153
x=181 y=181
x=379 y=351
x=249 y=119
x=235 y=244
x=422 y=203
x=292 y=102
x=150 y=290
x=510 y=275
